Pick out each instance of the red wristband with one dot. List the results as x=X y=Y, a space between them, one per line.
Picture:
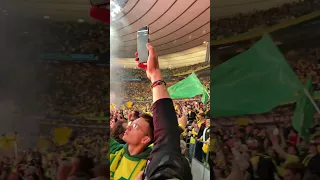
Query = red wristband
x=158 y=82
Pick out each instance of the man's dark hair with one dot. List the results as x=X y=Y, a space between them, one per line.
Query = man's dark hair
x=117 y=131
x=296 y=168
x=242 y=130
x=203 y=115
x=136 y=114
x=149 y=120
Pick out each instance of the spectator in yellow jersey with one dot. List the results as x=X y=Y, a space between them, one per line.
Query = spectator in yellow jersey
x=126 y=161
x=194 y=133
x=293 y=171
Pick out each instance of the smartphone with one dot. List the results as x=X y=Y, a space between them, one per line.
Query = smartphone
x=142 y=40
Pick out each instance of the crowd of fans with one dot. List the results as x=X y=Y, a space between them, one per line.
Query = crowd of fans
x=81 y=38
x=194 y=140
x=80 y=90
x=73 y=89
x=262 y=152
x=83 y=155
x=242 y=23
x=137 y=90
x=139 y=73
x=305 y=62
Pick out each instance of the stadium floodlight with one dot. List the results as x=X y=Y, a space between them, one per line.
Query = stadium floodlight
x=115 y=9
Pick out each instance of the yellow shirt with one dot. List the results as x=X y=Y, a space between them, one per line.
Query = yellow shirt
x=193 y=135
x=122 y=165
x=199 y=123
x=289 y=159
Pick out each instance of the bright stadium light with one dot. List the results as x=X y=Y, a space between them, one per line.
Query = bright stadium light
x=115 y=9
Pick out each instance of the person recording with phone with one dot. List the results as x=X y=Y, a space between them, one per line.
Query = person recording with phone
x=166 y=160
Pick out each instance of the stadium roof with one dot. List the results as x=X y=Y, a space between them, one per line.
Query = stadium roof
x=175 y=25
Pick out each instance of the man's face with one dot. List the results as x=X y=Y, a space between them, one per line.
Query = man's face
x=289 y=175
x=292 y=133
x=248 y=129
x=137 y=132
x=255 y=132
x=312 y=149
x=208 y=122
x=112 y=123
x=292 y=150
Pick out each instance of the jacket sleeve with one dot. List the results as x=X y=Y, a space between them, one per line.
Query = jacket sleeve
x=200 y=133
x=166 y=161
x=166 y=128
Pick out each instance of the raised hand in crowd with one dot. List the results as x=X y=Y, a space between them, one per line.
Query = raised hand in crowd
x=166 y=160
x=236 y=173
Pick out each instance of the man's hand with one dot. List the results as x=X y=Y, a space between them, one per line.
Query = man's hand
x=139 y=177
x=274 y=139
x=152 y=65
x=183 y=121
x=154 y=74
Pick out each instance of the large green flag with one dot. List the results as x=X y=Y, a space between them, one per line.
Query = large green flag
x=304 y=112
x=187 y=88
x=253 y=82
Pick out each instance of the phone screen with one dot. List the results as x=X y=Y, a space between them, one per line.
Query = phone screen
x=142 y=40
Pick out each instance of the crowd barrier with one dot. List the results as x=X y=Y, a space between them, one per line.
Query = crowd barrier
x=199 y=170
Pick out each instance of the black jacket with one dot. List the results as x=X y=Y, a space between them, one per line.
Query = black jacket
x=192 y=116
x=266 y=169
x=313 y=165
x=201 y=129
x=166 y=160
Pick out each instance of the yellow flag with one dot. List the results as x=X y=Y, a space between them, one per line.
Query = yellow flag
x=242 y=121
x=129 y=104
x=61 y=135
x=43 y=143
x=6 y=143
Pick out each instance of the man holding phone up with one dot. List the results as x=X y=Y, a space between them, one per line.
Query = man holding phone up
x=166 y=160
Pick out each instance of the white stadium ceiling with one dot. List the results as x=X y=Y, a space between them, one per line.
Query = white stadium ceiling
x=175 y=25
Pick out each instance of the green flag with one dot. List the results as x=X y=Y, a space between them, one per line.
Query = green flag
x=253 y=82
x=304 y=112
x=205 y=96
x=187 y=88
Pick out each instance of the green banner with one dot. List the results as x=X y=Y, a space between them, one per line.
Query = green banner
x=304 y=112
x=253 y=82
x=187 y=88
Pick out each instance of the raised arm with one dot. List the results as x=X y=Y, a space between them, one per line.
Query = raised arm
x=166 y=160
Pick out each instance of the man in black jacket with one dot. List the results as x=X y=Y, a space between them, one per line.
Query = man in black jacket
x=166 y=160
x=199 y=143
